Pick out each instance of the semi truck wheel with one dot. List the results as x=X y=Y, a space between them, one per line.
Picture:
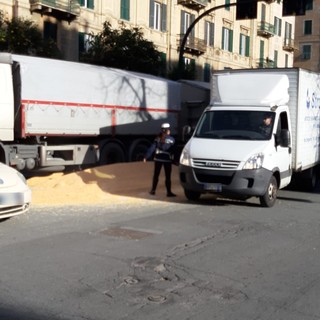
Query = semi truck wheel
x=192 y=195
x=138 y=149
x=270 y=197
x=110 y=153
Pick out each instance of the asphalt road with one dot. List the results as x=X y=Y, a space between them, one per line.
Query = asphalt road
x=164 y=260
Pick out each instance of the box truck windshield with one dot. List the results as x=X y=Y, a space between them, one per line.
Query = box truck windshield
x=236 y=125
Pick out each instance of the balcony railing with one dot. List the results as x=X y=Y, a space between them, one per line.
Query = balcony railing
x=288 y=45
x=194 y=4
x=265 y=29
x=266 y=63
x=193 y=45
x=63 y=9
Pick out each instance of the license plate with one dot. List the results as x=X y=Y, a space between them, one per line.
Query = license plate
x=217 y=187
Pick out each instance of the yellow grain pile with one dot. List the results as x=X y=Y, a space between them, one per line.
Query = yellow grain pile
x=110 y=184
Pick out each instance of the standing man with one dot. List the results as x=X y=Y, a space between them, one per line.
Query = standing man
x=162 y=148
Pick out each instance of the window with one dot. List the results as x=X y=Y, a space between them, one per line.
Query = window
x=306 y=52
x=227 y=39
x=186 y=20
x=87 y=4
x=50 y=31
x=277 y=26
x=209 y=33
x=275 y=58
x=288 y=31
x=309 y=4
x=244 y=49
x=163 y=65
x=308 y=27
x=125 y=10
x=84 y=44
x=206 y=72
x=158 y=16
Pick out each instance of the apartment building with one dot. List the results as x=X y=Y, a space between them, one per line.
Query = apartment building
x=307 y=38
x=217 y=41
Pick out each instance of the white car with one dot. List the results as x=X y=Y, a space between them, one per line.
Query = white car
x=15 y=194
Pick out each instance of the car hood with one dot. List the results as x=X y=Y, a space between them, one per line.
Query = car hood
x=8 y=177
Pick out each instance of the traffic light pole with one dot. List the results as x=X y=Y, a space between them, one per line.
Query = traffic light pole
x=185 y=37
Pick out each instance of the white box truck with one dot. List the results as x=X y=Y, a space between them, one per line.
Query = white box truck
x=261 y=128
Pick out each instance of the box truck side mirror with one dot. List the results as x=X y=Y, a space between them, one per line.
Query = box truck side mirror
x=283 y=139
x=186 y=133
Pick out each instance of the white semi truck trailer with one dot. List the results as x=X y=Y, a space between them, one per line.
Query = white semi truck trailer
x=55 y=113
x=230 y=153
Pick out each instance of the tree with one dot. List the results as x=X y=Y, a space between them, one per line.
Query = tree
x=124 y=49
x=22 y=36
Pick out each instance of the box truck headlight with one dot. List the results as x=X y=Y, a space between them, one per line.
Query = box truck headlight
x=254 y=162
x=185 y=157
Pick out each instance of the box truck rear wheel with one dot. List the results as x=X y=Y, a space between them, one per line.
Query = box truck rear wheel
x=192 y=195
x=270 y=197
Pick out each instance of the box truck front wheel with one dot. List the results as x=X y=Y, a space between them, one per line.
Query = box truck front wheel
x=270 y=197
x=192 y=195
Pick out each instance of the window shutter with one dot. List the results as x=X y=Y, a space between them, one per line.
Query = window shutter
x=211 y=34
x=230 y=40
x=192 y=18
x=90 y=4
x=81 y=42
x=182 y=31
x=280 y=27
x=163 y=17
x=151 y=14
x=222 y=43
x=247 y=46
x=81 y=3
x=125 y=10
x=206 y=31
x=206 y=72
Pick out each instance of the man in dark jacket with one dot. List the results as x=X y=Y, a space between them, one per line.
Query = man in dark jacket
x=163 y=149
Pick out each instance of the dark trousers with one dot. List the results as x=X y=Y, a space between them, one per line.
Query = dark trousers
x=167 y=170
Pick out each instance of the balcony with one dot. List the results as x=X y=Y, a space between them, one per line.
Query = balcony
x=265 y=29
x=194 y=4
x=194 y=46
x=266 y=63
x=288 y=45
x=61 y=9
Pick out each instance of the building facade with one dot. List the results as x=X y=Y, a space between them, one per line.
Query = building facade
x=307 y=38
x=217 y=41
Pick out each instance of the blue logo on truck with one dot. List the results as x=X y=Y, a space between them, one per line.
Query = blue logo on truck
x=312 y=101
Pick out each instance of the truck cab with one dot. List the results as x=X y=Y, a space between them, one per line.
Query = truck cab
x=241 y=146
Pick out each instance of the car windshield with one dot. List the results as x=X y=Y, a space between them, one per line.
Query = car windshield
x=235 y=125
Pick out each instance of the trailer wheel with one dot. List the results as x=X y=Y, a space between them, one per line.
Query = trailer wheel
x=138 y=149
x=192 y=195
x=270 y=197
x=110 y=153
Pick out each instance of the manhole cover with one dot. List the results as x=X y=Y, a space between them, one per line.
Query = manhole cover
x=130 y=234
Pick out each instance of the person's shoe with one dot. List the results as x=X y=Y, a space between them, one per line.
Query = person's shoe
x=170 y=194
x=152 y=192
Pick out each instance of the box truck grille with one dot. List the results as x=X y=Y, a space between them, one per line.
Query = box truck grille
x=205 y=176
x=215 y=164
